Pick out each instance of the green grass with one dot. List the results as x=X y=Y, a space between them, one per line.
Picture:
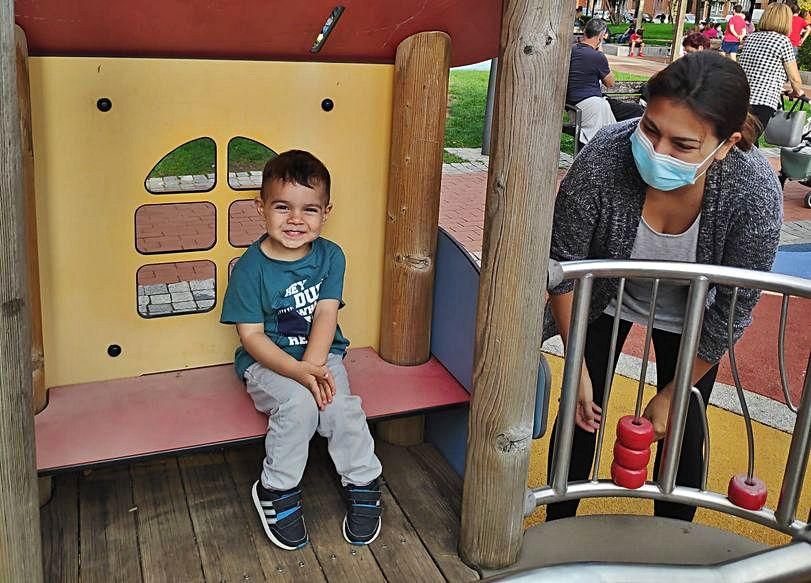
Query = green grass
x=199 y=156
x=448 y=158
x=245 y=154
x=655 y=34
x=195 y=157
x=621 y=76
x=468 y=95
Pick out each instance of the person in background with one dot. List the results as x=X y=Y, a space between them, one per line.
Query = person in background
x=799 y=28
x=588 y=69
x=710 y=32
x=768 y=60
x=626 y=36
x=637 y=41
x=735 y=33
x=694 y=42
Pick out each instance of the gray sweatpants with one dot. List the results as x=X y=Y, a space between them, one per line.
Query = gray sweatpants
x=293 y=418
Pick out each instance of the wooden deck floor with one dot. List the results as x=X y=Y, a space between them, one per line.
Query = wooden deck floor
x=190 y=518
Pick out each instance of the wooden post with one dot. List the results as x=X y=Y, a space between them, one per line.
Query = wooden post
x=32 y=254
x=20 y=553
x=415 y=175
x=521 y=187
x=678 y=30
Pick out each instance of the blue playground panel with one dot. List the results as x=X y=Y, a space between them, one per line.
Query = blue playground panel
x=453 y=334
x=794 y=260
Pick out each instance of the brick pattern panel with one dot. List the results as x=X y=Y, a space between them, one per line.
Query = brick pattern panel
x=162 y=228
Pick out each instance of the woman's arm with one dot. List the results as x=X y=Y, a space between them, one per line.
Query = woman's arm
x=793 y=74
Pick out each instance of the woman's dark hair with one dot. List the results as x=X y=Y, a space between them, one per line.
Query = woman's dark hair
x=714 y=88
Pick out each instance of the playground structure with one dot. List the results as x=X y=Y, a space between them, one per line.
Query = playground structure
x=125 y=387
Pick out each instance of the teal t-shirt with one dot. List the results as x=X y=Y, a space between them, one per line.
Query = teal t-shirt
x=283 y=295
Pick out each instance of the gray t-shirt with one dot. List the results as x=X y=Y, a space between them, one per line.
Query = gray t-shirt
x=671 y=298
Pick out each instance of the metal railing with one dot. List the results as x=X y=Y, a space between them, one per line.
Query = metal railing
x=701 y=279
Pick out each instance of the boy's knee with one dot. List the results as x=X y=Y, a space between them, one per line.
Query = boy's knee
x=345 y=409
x=302 y=406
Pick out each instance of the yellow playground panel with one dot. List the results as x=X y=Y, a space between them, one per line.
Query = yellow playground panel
x=90 y=172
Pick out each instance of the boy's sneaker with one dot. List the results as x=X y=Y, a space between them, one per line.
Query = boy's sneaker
x=281 y=516
x=362 y=522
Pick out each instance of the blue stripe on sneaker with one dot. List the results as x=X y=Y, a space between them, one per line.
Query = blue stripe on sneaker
x=366 y=505
x=286 y=513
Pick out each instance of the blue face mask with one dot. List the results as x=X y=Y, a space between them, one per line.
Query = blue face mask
x=661 y=171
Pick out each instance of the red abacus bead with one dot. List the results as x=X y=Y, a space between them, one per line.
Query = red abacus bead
x=635 y=433
x=628 y=478
x=632 y=459
x=747 y=494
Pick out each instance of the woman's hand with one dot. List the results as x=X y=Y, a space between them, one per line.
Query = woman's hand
x=587 y=414
x=658 y=410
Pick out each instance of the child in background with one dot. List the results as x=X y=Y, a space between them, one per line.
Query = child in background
x=636 y=41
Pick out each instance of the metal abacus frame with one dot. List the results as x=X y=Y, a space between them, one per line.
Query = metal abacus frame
x=701 y=279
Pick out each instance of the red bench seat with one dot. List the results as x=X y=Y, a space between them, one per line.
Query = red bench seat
x=123 y=419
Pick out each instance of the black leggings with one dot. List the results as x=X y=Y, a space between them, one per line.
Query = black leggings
x=763 y=113
x=666 y=346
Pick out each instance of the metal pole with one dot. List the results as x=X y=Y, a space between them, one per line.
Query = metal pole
x=488 y=108
x=682 y=383
x=797 y=459
x=571 y=381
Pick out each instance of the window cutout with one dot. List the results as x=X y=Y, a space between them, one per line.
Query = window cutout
x=246 y=160
x=244 y=224
x=171 y=289
x=191 y=167
x=166 y=228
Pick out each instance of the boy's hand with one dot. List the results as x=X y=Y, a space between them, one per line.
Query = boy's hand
x=318 y=380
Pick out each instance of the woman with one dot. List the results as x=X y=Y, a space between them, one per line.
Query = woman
x=768 y=60
x=682 y=183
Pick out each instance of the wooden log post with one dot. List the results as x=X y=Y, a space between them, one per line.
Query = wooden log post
x=678 y=30
x=521 y=187
x=20 y=554
x=415 y=174
x=32 y=253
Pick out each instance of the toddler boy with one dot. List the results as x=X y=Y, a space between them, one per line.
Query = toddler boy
x=283 y=295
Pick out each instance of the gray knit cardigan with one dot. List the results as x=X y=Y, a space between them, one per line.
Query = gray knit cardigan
x=599 y=205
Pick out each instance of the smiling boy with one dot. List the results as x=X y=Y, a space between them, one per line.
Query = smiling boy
x=283 y=296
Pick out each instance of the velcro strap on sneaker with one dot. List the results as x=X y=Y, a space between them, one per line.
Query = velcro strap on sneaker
x=366 y=511
x=363 y=496
x=294 y=516
x=286 y=502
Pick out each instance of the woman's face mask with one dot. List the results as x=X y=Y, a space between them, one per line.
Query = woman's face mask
x=661 y=171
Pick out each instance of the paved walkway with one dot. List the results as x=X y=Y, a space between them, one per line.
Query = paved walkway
x=462 y=214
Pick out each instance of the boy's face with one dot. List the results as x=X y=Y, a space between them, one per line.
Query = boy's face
x=294 y=215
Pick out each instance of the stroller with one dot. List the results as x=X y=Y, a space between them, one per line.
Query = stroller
x=795 y=162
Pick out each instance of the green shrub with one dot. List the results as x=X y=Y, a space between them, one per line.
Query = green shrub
x=804 y=57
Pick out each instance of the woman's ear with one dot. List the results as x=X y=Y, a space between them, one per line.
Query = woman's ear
x=728 y=145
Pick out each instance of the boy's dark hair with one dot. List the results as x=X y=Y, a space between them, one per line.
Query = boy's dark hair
x=737 y=9
x=296 y=166
x=714 y=88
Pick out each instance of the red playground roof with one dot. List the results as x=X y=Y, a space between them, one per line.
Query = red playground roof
x=255 y=29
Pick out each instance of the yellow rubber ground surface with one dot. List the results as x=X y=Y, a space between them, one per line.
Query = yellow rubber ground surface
x=727 y=457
